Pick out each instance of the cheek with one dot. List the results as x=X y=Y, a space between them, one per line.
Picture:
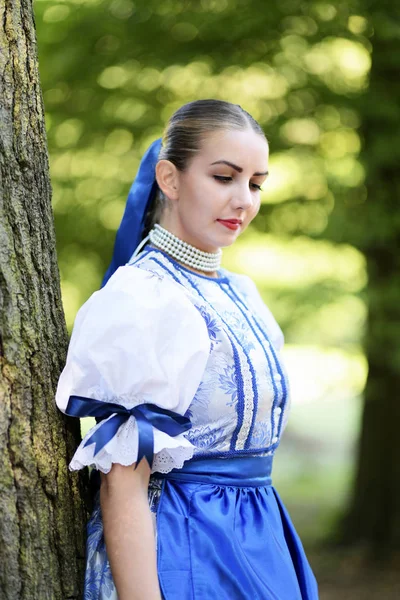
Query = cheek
x=257 y=207
x=207 y=198
x=197 y=206
x=250 y=216
x=254 y=210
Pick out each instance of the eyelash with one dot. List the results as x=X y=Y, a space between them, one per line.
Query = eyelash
x=224 y=179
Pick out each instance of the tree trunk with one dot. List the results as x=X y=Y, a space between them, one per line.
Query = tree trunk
x=41 y=512
x=374 y=514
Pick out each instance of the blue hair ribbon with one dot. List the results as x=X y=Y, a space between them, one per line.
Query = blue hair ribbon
x=147 y=416
x=140 y=198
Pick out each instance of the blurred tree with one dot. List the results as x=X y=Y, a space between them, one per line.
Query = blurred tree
x=374 y=514
x=41 y=512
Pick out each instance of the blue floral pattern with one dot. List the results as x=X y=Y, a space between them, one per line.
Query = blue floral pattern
x=261 y=435
x=201 y=399
x=212 y=326
x=241 y=329
x=154 y=493
x=99 y=583
x=98 y=578
x=227 y=383
x=92 y=582
x=205 y=437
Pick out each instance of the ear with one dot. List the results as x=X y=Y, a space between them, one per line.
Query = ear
x=167 y=176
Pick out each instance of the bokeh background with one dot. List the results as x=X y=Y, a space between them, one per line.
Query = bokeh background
x=113 y=71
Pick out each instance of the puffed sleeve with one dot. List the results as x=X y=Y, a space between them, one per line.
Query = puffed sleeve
x=261 y=310
x=138 y=340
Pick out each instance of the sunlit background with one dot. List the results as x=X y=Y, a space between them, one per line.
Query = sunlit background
x=114 y=71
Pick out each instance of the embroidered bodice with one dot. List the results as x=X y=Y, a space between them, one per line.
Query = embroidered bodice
x=208 y=348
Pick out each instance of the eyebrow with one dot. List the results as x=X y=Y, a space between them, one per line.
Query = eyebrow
x=238 y=169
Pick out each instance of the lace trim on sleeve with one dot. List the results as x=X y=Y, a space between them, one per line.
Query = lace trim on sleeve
x=122 y=449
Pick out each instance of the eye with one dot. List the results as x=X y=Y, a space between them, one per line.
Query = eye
x=222 y=178
x=256 y=187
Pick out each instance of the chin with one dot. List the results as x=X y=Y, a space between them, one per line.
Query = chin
x=227 y=244
x=229 y=238
x=224 y=243
x=220 y=241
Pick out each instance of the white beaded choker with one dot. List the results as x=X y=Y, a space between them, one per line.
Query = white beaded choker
x=184 y=252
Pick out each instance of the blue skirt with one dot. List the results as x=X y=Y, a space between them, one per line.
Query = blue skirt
x=222 y=533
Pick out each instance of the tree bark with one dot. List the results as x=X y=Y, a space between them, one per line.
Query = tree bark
x=373 y=517
x=41 y=512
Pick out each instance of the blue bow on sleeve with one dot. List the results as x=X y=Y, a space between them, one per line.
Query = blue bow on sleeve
x=147 y=416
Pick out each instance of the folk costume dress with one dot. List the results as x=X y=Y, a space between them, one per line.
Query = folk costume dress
x=207 y=350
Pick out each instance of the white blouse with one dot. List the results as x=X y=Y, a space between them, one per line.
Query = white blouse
x=137 y=340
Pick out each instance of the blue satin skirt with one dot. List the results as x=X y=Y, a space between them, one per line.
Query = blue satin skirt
x=222 y=533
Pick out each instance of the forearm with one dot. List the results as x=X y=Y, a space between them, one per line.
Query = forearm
x=129 y=535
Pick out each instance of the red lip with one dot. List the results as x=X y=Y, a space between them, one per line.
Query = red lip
x=230 y=223
x=235 y=221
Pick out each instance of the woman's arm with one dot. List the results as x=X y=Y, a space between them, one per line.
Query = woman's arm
x=128 y=532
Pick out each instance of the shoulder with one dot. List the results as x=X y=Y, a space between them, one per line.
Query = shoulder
x=145 y=285
x=135 y=299
x=243 y=283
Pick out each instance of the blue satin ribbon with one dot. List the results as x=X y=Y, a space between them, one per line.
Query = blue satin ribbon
x=140 y=200
x=147 y=416
x=238 y=471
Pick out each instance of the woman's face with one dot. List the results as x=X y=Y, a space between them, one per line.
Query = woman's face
x=218 y=195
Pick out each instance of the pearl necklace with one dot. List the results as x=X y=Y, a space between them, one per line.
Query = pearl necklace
x=184 y=252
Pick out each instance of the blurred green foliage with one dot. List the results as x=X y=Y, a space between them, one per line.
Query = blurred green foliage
x=112 y=73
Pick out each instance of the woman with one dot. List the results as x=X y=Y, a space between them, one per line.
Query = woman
x=179 y=360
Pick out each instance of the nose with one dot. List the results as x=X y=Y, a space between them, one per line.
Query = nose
x=243 y=198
